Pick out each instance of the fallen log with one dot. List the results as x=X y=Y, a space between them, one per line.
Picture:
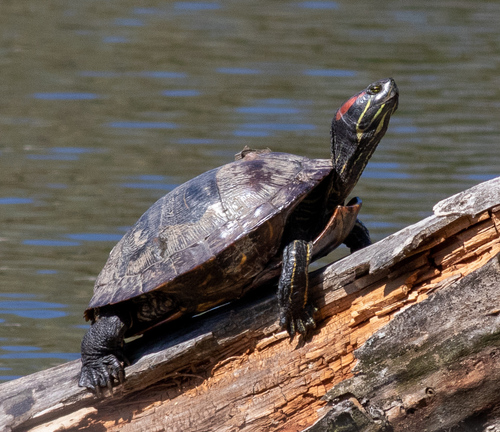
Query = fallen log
x=421 y=309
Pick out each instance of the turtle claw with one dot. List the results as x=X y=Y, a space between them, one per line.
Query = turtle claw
x=301 y=324
x=102 y=373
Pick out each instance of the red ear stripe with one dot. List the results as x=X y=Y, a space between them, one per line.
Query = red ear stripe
x=344 y=108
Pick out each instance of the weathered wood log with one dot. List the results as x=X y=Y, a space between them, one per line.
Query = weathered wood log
x=446 y=374
x=420 y=293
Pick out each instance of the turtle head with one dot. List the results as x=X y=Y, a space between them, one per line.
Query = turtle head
x=357 y=128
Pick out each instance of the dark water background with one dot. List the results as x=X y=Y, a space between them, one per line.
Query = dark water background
x=106 y=106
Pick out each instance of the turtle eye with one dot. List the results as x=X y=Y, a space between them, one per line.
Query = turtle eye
x=374 y=89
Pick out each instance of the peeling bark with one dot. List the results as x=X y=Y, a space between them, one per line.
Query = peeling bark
x=445 y=375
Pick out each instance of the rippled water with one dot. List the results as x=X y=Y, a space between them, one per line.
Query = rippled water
x=106 y=106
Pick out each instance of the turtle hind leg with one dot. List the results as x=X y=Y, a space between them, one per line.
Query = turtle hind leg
x=358 y=238
x=102 y=354
x=296 y=314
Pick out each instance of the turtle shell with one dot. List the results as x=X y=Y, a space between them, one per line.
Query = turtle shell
x=207 y=240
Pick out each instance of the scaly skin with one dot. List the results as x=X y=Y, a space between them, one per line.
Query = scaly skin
x=102 y=354
x=296 y=315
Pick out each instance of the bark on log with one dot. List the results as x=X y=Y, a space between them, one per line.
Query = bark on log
x=429 y=363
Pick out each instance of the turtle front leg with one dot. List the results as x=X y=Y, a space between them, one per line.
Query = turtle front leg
x=102 y=354
x=296 y=314
x=358 y=238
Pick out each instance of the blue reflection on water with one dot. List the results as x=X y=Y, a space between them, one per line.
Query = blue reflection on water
x=282 y=101
x=75 y=150
x=196 y=6
x=267 y=110
x=47 y=272
x=280 y=126
x=251 y=133
x=39 y=355
x=31 y=309
x=41 y=242
x=141 y=125
x=19 y=348
x=151 y=177
x=266 y=129
x=27 y=304
x=65 y=96
x=180 y=93
x=405 y=129
x=9 y=377
x=147 y=181
x=15 y=200
x=156 y=186
x=195 y=141
x=238 y=71
x=386 y=175
x=386 y=170
x=319 y=5
x=159 y=74
x=95 y=237
x=481 y=177
x=330 y=73
x=142 y=74
x=267 y=107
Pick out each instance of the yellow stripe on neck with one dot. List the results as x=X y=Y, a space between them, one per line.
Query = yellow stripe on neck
x=359 y=131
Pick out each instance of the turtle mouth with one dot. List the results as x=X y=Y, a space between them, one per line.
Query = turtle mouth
x=393 y=93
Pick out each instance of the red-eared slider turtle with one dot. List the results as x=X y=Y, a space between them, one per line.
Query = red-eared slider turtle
x=217 y=236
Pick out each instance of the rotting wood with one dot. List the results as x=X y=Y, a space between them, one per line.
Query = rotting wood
x=445 y=376
x=233 y=369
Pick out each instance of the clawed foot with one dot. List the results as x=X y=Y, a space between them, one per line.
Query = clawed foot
x=102 y=354
x=102 y=372
x=303 y=322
